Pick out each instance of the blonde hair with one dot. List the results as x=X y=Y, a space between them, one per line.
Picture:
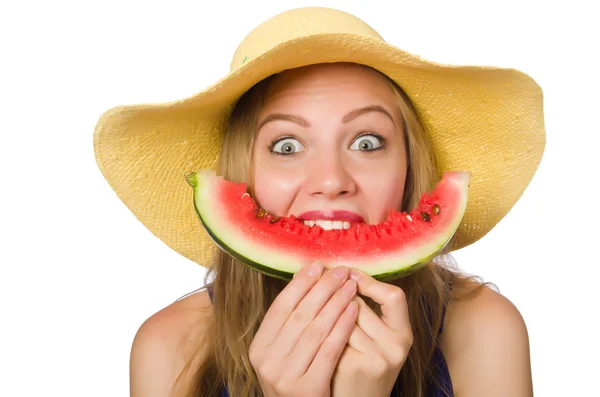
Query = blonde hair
x=241 y=296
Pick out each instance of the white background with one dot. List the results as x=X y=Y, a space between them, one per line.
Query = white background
x=79 y=273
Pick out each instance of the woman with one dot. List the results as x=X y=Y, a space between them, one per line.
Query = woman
x=313 y=127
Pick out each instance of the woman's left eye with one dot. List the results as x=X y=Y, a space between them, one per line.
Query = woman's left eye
x=367 y=143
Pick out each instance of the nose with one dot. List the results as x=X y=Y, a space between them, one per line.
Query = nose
x=329 y=177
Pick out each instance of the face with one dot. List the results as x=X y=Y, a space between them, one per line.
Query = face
x=330 y=148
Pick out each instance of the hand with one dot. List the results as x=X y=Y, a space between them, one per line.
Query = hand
x=378 y=346
x=303 y=334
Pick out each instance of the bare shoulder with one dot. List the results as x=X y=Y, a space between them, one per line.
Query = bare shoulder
x=164 y=342
x=486 y=344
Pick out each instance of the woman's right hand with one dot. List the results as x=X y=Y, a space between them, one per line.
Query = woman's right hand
x=300 y=340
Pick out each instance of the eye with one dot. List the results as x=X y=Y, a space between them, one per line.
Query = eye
x=367 y=142
x=286 y=146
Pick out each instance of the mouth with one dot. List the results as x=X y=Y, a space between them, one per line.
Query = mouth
x=329 y=220
x=328 y=225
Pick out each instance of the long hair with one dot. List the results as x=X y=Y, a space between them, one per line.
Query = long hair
x=242 y=296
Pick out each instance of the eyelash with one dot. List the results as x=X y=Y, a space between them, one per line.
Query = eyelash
x=381 y=139
x=277 y=140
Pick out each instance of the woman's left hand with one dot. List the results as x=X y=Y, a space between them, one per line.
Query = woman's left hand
x=378 y=346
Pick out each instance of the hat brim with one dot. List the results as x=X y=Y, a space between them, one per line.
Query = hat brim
x=486 y=120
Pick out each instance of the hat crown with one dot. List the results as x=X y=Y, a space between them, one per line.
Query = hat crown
x=296 y=23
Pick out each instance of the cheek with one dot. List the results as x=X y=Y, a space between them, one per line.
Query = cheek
x=383 y=193
x=387 y=195
x=275 y=188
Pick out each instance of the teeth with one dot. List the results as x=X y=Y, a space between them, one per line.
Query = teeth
x=329 y=225
x=326 y=225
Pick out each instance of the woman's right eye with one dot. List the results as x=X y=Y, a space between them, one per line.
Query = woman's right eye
x=287 y=146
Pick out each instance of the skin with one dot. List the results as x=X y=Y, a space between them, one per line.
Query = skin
x=317 y=150
x=329 y=169
x=319 y=338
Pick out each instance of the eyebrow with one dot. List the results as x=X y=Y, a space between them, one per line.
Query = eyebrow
x=347 y=118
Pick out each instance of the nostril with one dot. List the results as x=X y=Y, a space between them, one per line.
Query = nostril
x=324 y=193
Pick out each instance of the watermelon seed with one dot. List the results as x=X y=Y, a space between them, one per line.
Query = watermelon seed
x=409 y=218
x=274 y=220
x=261 y=213
x=436 y=209
x=425 y=216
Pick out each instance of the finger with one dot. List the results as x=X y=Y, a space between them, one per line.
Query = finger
x=308 y=308
x=373 y=325
x=327 y=358
x=309 y=343
x=285 y=303
x=390 y=297
x=361 y=342
x=377 y=336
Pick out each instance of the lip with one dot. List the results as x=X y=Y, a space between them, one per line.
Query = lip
x=333 y=215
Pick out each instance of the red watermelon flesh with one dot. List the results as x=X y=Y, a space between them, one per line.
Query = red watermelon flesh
x=280 y=246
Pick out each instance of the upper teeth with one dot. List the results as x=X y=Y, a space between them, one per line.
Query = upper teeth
x=328 y=225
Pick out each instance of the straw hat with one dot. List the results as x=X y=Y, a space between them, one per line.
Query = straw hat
x=482 y=119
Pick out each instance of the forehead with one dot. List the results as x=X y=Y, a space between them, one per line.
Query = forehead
x=341 y=80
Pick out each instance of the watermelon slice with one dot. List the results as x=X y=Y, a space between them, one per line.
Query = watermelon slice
x=281 y=246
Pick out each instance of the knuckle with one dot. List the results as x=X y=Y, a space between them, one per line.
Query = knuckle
x=396 y=295
x=281 y=387
x=397 y=355
x=275 y=310
x=280 y=308
x=407 y=337
x=254 y=355
x=315 y=334
x=268 y=373
x=378 y=366
x=404 y=338
x=298 y=317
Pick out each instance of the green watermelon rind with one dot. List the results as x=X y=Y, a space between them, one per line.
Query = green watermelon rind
x=286 y=275
x=269 y=271
x=282 y=265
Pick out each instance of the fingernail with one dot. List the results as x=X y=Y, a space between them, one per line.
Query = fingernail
x=315 y=269
x=340 y=272
x=354 y=275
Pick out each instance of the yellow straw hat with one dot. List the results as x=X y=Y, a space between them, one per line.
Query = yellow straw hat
x=482 y=119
